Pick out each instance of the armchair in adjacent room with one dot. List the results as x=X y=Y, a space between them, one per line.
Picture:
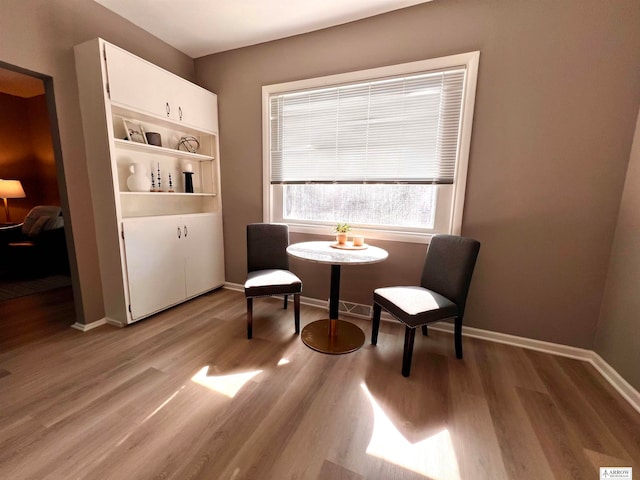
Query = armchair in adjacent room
x=37 y=244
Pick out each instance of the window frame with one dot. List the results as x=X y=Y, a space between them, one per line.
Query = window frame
x=469 y=61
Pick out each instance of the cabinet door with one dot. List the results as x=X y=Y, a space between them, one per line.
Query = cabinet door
x=197 y=108
x=140 y=85
x=203 y=253
x=135 y=83
x=155 y=266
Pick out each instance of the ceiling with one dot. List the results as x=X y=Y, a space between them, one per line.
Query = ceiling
x=202 y=27
x=20 y=85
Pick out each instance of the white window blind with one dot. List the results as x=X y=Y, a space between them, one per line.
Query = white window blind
x=393 y=130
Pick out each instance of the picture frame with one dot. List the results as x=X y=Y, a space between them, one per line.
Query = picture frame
x=135 y=132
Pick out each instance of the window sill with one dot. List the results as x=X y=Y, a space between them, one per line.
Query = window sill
x=368 y=233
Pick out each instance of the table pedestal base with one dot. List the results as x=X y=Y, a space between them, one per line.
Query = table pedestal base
x=346 y=337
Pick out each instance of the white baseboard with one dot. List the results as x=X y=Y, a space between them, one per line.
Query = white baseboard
x=624 y=388
x=531 y=344
x=233 y=286
x=98 y=323
x=628 y=392
x=115 y=323
x=85 y=327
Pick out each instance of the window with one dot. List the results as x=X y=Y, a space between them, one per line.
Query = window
x=384 y=150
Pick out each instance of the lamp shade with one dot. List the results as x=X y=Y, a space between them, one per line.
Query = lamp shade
x=11 y=189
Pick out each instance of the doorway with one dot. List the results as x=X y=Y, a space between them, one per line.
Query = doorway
x=33 y=248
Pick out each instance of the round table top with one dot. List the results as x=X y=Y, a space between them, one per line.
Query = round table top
x=322 y=252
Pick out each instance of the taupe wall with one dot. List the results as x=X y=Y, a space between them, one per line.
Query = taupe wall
x=39 y=36
x=618 y=339
x=26 y=152
x=557 y=98
x=45 y=164
x=555 y=113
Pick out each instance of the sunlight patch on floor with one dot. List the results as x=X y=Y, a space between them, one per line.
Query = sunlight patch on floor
x=163 y=404
x=227 y=385
x=283 y=361
x=124 y=439
x=433 y=457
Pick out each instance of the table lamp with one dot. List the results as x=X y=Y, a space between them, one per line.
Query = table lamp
x=10 y=189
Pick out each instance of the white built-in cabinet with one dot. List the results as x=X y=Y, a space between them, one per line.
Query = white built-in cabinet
x=136 y=84
x=156 y=248
x=185 y=238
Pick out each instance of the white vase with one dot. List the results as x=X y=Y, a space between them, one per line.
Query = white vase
x=138 y=181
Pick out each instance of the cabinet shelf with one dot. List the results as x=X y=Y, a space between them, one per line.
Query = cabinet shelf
x=153 y=149
x=175 y=194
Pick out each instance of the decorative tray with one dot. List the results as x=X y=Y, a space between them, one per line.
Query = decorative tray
x=349 y=246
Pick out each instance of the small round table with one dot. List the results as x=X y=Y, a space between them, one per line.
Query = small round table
x=332 y=335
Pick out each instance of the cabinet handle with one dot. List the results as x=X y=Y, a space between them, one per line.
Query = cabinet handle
x=168 y=109
x=180 y=112
x=179 y=232
x=186 y=232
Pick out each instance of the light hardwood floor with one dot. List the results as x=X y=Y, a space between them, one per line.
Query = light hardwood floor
x=184 y=395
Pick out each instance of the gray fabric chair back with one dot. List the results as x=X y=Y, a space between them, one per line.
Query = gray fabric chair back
x=449 y=266
x=42 y=218
x=267 y=246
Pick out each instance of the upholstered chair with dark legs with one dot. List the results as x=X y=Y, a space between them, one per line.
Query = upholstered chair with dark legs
x=36 y=246
x=442 y=293
x=268 y=269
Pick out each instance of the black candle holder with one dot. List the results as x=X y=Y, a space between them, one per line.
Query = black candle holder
x=188 y=182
